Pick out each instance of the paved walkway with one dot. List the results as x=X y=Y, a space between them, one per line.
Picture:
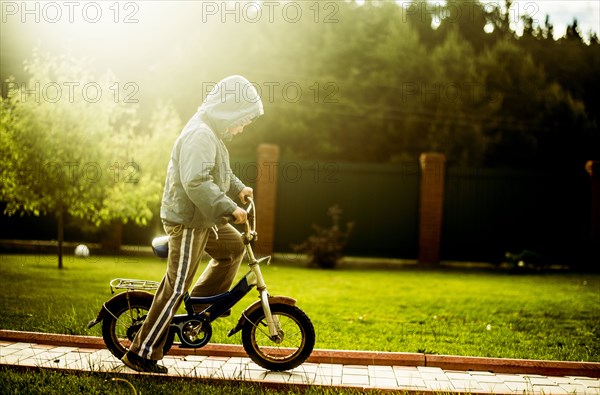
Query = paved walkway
x=419 y=379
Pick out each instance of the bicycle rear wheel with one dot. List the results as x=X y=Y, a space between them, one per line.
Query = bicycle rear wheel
x=124 y=320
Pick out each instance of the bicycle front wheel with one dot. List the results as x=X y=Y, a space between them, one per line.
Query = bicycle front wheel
x=294 y=345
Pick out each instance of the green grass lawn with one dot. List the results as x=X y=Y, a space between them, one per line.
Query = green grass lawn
x=46 y=382
x=459 y=312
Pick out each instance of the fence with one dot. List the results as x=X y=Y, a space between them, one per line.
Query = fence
x=490 y=211
x=484 y=212
x=381 y=201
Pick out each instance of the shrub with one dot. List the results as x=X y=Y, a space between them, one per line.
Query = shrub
x=325 y=245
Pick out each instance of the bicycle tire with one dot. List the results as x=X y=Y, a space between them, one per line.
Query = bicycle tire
x=118 y=343
x=299 y=333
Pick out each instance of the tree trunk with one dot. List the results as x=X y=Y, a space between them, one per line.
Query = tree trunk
x=60 y=219
x=111 y=242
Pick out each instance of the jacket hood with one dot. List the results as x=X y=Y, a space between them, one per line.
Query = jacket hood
x=231 y=102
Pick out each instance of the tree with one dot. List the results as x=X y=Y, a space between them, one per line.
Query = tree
x=468 y=19
x=460 y=105
x=68 y=147
x=534 y=114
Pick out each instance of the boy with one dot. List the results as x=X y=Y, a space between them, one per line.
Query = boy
x=200 y=189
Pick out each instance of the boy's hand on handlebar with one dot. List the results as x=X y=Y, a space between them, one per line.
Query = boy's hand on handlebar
x=246 y=192
x=240 y=215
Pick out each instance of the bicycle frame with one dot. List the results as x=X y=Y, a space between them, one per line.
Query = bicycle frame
x=219 y=304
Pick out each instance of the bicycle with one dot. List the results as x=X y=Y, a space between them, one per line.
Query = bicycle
x=276 y=334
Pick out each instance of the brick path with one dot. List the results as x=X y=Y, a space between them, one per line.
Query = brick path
x=421 y=379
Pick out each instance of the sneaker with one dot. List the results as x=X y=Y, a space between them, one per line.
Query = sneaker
x=140 y=364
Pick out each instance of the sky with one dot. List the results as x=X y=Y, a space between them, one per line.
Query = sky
x=561 y=13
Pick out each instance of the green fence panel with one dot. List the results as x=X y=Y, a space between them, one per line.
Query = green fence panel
x=381 y=201
x=488 y=212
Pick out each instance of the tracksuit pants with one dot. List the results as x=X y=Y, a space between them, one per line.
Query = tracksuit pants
x=186 y=247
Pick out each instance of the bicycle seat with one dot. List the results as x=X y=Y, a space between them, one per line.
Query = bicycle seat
x=160 y=246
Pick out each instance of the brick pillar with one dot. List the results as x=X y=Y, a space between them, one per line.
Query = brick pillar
x=266 y=197
x=593 y=168
x=431 y=201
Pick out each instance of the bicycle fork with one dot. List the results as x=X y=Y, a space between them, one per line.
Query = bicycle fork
x=275 y=332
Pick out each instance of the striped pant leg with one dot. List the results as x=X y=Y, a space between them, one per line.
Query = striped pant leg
x=186 y=247
x=227 y=252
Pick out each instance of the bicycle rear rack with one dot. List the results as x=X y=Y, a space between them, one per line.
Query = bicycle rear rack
x=130 y=285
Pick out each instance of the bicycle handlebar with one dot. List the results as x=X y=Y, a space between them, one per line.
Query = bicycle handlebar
x=251 y=216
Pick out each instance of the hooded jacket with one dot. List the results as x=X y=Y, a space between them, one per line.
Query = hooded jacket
x=200 y=185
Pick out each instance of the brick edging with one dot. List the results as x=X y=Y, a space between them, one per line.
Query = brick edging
x=447 y=362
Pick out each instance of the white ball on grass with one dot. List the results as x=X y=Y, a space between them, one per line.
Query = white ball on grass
x=82 y=251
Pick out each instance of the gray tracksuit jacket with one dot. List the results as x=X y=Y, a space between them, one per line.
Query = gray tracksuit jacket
x=200 y=185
